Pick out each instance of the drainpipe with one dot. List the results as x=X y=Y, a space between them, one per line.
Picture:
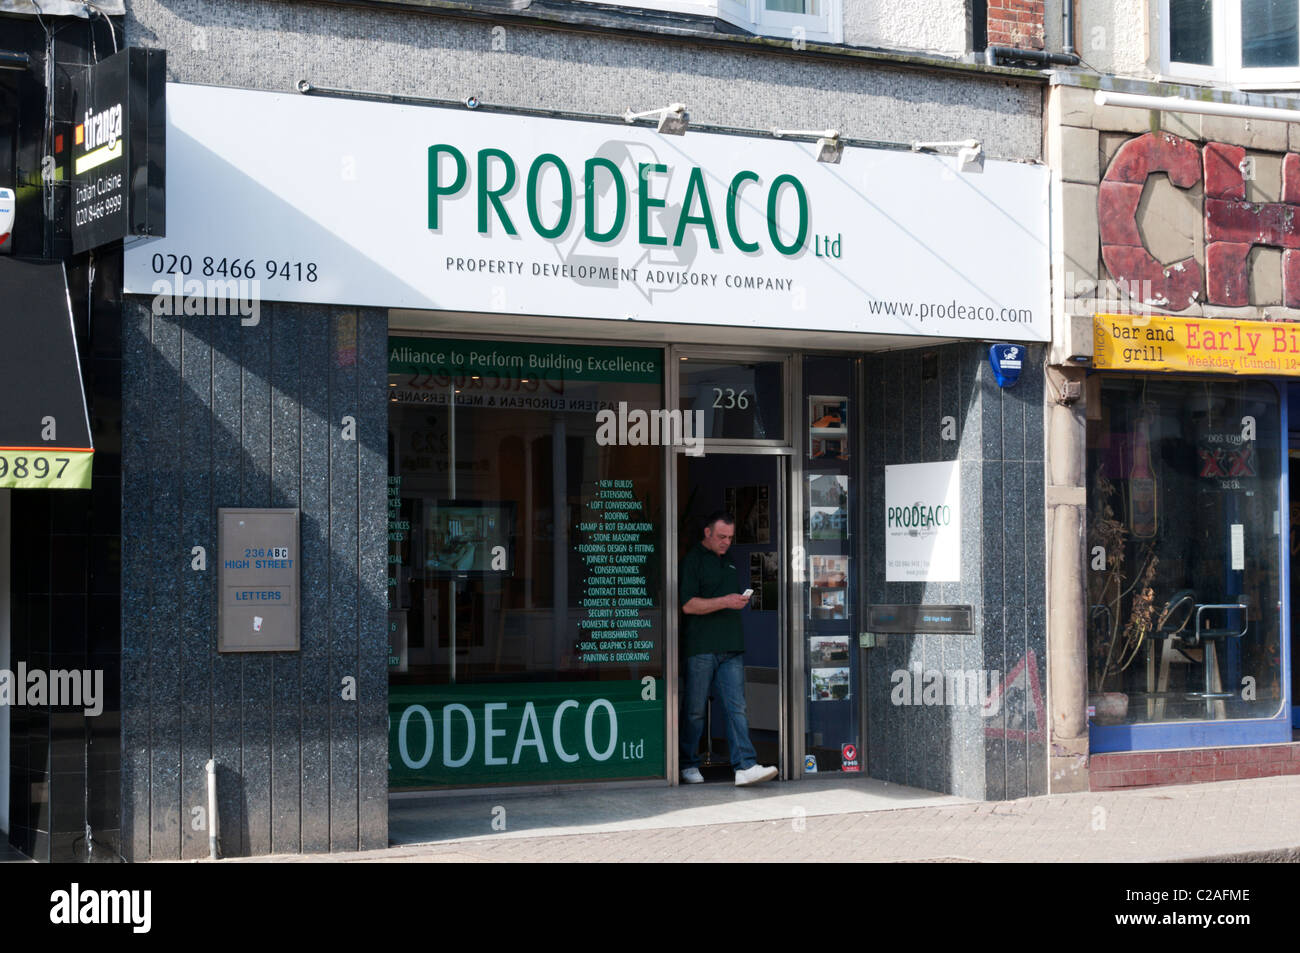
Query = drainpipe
x=1041 y=57
x=1067 y=56
x=211 y=768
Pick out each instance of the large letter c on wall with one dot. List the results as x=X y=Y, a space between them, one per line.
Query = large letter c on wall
x=1177 y=287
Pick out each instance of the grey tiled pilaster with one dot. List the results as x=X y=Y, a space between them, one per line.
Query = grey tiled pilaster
x=225 y=415
x=999 y=449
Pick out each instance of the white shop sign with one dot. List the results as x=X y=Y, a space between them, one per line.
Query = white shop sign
x=310 y=199
x=923 y=522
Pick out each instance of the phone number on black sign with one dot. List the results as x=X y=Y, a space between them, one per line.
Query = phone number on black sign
x=211 y=266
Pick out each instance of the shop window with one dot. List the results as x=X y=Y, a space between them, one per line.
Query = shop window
x=1244 y=43
x=832 y=661
x=1184 y=549
x=525 y=563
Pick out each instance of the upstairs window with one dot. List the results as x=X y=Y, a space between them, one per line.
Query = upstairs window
x=816 y=21
x=1250 y=44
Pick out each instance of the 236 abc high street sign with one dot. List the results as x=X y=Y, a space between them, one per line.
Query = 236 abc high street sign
x=359 y=203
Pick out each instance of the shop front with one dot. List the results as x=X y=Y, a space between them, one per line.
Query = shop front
x=505 y=366
x=1188 y=628
x=529 y=646
x=1172 y=366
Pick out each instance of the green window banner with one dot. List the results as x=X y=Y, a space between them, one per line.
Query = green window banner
x=521 y=733
x=512 y=360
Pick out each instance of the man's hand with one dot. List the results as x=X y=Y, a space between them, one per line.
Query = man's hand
x=736 y=600
x=698 y=605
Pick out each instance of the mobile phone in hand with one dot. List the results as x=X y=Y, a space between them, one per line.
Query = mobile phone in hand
x=748 y=593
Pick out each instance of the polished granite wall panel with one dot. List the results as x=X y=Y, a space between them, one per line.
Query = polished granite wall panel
x=372 y=550
x=344 y=461
x=315 y=349
x=137 y=564
x=998 y=446
x=224 y=462
x=255 y=480
x=160 y=624
x=197 y=527
x=286 y=667
x=257 y=421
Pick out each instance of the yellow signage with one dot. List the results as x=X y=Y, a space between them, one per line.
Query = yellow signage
x=39 y=468
x=1135 y=342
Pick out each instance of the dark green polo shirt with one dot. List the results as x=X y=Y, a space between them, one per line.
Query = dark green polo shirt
x=708 y=575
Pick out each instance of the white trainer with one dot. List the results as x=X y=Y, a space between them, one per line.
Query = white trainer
x=756 y=774
x=692 y=776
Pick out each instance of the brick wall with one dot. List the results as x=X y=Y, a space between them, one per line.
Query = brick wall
x=1187 y=766
x=1017 y=23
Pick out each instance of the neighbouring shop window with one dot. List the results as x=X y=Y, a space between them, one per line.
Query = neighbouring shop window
x=525 y=562
x=1184 y=518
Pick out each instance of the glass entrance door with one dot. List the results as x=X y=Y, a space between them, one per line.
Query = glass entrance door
x=751 y=488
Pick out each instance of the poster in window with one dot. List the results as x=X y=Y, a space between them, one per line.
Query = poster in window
x=830 y=684
x=828 y=428
x=763 y=569
x=828 y=650
x=829 y=580
x=751 y=508
x=469 y=537
x=828 y=506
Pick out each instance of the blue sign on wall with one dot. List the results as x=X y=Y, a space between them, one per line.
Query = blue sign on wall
x=1006 y=360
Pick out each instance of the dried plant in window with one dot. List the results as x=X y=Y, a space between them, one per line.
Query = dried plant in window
x=1117 y=636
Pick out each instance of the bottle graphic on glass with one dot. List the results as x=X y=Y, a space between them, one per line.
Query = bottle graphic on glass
x=1142 y=484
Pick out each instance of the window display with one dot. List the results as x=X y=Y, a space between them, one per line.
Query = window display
x=525 y=565
x=1184 y=548
x=832 y=662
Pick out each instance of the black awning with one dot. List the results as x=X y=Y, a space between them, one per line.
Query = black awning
x=44 y=428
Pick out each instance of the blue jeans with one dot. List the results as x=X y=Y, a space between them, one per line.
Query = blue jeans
x=725 y=674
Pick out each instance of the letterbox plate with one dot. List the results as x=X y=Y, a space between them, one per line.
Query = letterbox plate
x=258 y=578
x=911 y=619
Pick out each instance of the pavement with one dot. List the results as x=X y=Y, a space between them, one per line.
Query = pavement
x=836 y=819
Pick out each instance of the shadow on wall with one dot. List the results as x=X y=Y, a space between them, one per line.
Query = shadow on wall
x=221 y=415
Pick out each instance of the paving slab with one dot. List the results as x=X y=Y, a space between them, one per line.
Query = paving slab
x=558 y=811
x=1246 y=820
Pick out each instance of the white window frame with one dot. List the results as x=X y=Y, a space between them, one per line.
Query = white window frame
x=1225 y=46
x=754 y=17
x=703 y=8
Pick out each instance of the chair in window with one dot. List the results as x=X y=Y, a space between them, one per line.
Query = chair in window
x=1179 y=644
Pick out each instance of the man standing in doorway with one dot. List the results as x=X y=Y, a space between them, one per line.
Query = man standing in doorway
x=713 y=645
